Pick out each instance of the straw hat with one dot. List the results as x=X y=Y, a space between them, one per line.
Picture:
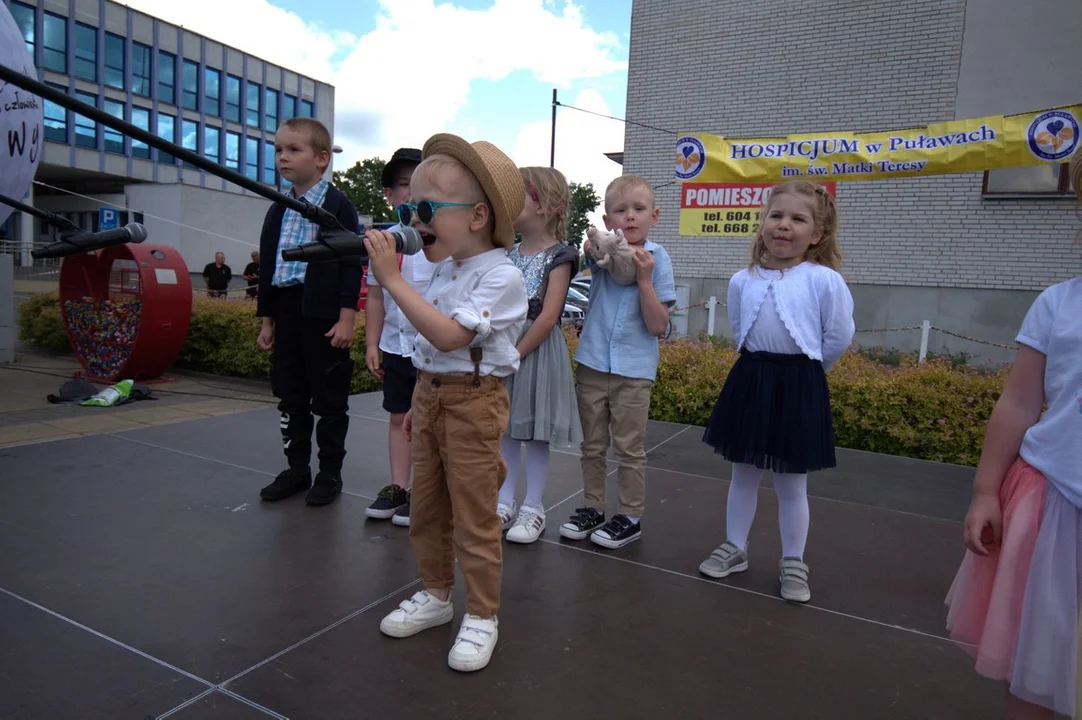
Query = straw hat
x=497 y=173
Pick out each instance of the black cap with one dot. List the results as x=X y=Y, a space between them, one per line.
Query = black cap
x=402 y=156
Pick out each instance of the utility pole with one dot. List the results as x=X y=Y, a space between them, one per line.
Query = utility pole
x=552 y=145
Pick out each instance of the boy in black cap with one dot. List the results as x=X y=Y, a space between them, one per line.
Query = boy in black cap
x=387 y=329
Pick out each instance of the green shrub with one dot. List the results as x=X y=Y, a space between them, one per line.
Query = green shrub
x=42 y=325
x=882 y=401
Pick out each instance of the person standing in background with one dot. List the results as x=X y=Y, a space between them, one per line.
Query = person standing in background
x=216 y=276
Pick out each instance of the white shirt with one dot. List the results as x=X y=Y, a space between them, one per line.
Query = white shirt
x=1053 y=327
x=398 y=334
x=812 y=300
x=768 y=333
x=486 y=294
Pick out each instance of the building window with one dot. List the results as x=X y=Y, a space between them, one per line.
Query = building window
x=86 y=130
x=189 y=138
x=114 y=61
x=252 y=116
x=289 y=107
x=232 y=98
x=167 y=78
x=251 y=158
x=56 y=119
x=306 y=109
x=167 y=130
x=270 y=104
x=232 y=150
x=212 y=92
x=1036 y=180
x=24 y=19
x=86 y=52
x=190 y=86
x=55 y=47
x=114 y=141
x=268 y=164
x=212 y=138
x=140 y=118
x=140 y=69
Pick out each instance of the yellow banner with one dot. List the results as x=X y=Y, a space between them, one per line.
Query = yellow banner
x=959 y=146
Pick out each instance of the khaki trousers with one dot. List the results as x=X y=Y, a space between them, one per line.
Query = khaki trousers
x=616 y=407
x=457 y=473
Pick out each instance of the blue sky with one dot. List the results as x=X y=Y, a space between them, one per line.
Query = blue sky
x=484 y=69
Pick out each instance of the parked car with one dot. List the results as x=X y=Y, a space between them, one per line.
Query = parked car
x=577 y=298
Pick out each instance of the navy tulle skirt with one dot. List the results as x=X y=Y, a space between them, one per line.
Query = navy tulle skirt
x=774 y=413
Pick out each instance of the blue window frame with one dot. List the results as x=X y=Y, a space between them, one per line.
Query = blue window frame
x=212 y=92
x=24 y=20
x=167 y=130
x=212 y=139
x=86 y=52
x=140 y=118
x=167 y=78
x=56 y=119
x=114 y=141
x=55 y=47
x=232 y=150
x=140 y=69
x=252 y=106
x=190 y=86
x=114 y=61
x=86 y=130
x=232 y=98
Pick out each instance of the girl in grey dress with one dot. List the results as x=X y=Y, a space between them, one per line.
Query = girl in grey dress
x=543 y=405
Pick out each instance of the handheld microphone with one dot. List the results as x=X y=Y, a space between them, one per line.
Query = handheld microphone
x=86 y=242
x=333 y=244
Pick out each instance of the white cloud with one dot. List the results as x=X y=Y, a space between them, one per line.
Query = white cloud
x=410 y=76
x=581 y=143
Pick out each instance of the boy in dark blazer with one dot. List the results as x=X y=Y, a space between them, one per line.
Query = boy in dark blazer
x=308 y=312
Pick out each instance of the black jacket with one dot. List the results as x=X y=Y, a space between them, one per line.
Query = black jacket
x=328 y=286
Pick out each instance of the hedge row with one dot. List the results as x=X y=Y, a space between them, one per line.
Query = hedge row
x=932 y=411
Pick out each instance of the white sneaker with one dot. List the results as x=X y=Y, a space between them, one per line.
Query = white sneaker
x=506 y=513
x=528 y=526
x=420 y=612
x=474 y=645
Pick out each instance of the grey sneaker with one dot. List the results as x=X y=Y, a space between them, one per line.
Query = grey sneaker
x=724 y=561
x=794 y=581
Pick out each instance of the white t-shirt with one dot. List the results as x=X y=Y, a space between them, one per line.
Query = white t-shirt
x=768 y=332
x=398 y=334
x=1053 y=327
x=487 y=294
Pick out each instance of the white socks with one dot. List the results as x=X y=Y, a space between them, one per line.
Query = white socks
x=793 y=513
x=537 y=471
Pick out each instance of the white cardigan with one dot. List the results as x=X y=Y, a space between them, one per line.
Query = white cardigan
x=813 y=302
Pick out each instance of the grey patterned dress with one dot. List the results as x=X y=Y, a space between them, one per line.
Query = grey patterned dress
x=543 y=404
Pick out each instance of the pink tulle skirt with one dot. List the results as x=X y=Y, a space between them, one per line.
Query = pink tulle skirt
x=1016 y=610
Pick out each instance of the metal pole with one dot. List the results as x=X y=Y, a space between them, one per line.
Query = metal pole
x=552 y=144
x=313 y=213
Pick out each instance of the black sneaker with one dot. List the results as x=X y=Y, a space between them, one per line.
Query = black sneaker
x=617 y=532
x=402 y=515
x=288 y=483
x=582 y=523
x=388 y=500
x=325 y=490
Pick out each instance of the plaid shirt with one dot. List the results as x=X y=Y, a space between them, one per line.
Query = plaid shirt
x=296 y=231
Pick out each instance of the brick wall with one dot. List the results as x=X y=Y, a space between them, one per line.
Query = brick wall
x=776 y=67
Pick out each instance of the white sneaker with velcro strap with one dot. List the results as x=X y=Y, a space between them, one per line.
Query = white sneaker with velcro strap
x=474 y=645
x=794 y=581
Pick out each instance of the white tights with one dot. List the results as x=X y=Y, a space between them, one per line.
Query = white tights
x=537 y=470
x=793 y=517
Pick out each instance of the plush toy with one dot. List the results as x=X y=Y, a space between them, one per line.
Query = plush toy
x=611 y=252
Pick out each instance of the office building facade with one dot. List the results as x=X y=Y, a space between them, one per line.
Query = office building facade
x=207 y=97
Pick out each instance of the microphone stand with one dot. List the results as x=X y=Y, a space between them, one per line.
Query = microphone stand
x=308 y=211
x=61 y=223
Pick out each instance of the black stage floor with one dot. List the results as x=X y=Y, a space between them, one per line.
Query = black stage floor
x=141 y=577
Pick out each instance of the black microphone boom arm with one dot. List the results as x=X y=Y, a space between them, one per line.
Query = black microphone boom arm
x=313 y=213
x=61 y=223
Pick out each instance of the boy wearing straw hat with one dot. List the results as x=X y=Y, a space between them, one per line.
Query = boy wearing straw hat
x=464 y=199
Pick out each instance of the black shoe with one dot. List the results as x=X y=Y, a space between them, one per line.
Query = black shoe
x=582 y=523
x=402 y=515
x=325 y=490
x=617 y=532
x=288 y=483
x=388 y=500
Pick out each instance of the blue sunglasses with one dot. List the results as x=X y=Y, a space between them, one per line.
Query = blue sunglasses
x=424 y=210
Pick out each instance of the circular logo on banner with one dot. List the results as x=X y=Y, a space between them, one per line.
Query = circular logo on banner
x=1053 y=135
x=690 y=157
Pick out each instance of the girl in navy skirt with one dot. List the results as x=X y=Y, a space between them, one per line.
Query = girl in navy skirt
x=792 y=319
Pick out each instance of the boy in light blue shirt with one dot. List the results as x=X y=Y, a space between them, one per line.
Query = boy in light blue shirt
x=617 y=363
